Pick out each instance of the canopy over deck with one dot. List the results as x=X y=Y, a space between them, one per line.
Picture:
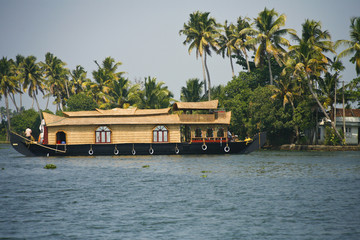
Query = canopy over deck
x=208 y=105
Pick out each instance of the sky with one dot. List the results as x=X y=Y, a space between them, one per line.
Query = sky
x=144 y=34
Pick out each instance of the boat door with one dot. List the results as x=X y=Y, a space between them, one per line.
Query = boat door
x=60 y=137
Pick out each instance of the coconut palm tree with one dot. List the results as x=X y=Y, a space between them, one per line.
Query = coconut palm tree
x=16 y=70
x=226 y=43
x=78 y=80
x=353 y=44
x=104 y=76
x=287 y=90
x=8 y=84
x=56 y=79
x=119 y=93
x=153 y=95
x=307 y=60
x=201 y=33
x=242 y=39
x=269 y=37
x=192 y=91
x=33 y=79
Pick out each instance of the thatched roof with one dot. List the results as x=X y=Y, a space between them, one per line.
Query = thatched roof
x=136 y=119
x=118 y=112
x=213 y=105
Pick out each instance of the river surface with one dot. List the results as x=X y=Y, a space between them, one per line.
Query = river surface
x=263 y=195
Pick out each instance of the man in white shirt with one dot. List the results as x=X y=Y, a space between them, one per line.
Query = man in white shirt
x=28 y=133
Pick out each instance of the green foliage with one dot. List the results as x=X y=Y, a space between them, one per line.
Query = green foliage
x=192 y=91
x=28 y=118
x=269 y=115
x=331 y=137
x=153 y=95
x=253 y=110
x=304 y=115
x=50 y=166
x=81 y=102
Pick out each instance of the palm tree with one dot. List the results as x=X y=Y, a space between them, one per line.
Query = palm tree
x=104 y=76
x=119 y=93
x=226 y=43
x=192 y=91
x=78 y=80
x=286 y=90
x=308 y=61
x=57 y=80
x=201 y=33
x=269 y=36
x=7 y=85
x=242 y=39
x=33 y=79
x=16 y=70
x=153 y=95
x=353 y=44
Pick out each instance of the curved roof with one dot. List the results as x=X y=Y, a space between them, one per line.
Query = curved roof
x=53 y=120
x=213 y=105
x=118 y=112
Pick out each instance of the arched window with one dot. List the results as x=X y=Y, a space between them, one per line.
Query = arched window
x=220 y=133
x=103 y=135
x=209 y=133
x=60 y=137
x=198 y=133
x=160 y=134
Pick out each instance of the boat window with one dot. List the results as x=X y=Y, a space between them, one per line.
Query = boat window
x=198 y=133
x=60 y=137
x=209 y=133
x=103 y=135
x=160 y=134
x=220 y=132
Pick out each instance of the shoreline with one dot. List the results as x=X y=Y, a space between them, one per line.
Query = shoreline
x=328 y=148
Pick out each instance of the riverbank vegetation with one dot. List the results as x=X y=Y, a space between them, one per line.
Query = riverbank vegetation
x=284 y=88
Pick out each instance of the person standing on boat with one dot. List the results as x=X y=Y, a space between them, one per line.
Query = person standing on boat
x=28 y=133
x=41 y=128
x=229 y=136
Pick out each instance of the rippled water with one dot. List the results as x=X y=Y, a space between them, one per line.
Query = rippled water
x=263 y=195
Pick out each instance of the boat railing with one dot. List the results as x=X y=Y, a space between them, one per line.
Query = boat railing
x=209 y=139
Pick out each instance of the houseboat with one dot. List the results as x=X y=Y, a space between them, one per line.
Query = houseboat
x=187 y=128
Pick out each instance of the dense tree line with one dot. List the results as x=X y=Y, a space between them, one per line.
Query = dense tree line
x=284 y=89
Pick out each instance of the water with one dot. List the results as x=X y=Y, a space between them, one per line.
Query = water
x=263 y=195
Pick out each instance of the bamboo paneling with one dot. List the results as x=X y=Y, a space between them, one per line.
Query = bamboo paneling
x=197 y=118
x=119 y=134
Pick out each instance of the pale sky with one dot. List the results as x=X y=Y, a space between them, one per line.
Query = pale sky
x=144 y=34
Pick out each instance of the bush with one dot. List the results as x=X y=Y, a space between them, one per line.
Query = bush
x=81 y=102
x=27 y=118
x=331 y=138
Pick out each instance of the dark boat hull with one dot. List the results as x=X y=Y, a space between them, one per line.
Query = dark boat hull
x=27 y=148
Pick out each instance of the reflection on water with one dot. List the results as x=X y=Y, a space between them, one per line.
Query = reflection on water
x=263 y=195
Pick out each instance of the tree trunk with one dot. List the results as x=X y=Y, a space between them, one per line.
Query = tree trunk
x=208 y=76
x=232 y=66
x=67 y=89
x=21 y=102
x=203 y=68
x=38 y=106
x=247 y=60
x=322 y=108
x=7 y=116
x=47 y=102
x=12 y=97
x=270 y=72
x=296 y=126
